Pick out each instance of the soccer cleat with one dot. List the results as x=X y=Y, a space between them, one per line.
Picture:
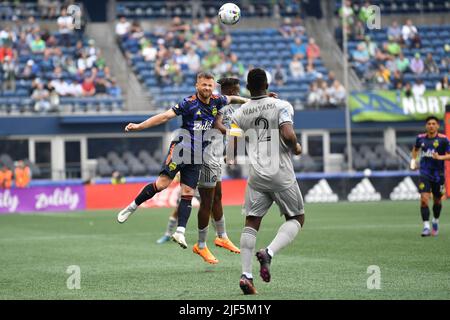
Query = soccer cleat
x=205 y=254
x=264 y=261
x=247 y=285
x=163 y=239
x=435 y=229
x=125 y=214
x=226 y=244
x=179 y=238
x=426 y=232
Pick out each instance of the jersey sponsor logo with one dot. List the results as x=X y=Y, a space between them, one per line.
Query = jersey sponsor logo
x=428 y=153
x=421 y=186
x=199 y=126
x=214 y=111
x=199 y=113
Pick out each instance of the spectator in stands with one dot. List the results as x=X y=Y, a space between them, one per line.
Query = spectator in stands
x=410 y=35
x=30 y=25
x=279 y=75
x=397 y=80
x=331 y=78
x=6 y=51
x=41 y=98
x=193 y=61
x=298 y=48
x=123 y=27
x=312 y=51
x=445 y=60
x=296 y=68
x=65 y=26
x=359 y=31
x=417 y=65
x=114 y=90
x=6 y=176
x=443 y=84
x=205 y=26
x=311 y=72
x=59 y=86
x=430 y=65
x=237 y=69
x=88 y=86
x=313 y=96
x=336 y=94
x=382 y=77
x=148 y=51
x=10 y=72
x=395 y=31
x=178 y=26
x=346 y=12
x=285 y=28
x=392 y=47
x=360 y=58
x=418 y=89
x=38 y=45
x=136 y=31
x=391 y=65
x=365 y=12
x=402 y=63
x=407 y=90
x=22 y=175
x=370 y=46
x=31 y=70
x=297 y=27
x=101 y=86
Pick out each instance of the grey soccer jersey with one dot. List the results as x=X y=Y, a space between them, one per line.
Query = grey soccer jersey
x=214 y=152
x=271 y=166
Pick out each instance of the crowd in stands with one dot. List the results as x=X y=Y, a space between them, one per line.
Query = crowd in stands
x=44 y=65
x=181 y=50
x=382 y=63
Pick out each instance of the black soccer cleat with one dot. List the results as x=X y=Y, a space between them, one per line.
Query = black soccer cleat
x=247 y=285
x=264 y=260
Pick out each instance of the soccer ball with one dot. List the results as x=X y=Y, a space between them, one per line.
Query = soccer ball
x=229 y=13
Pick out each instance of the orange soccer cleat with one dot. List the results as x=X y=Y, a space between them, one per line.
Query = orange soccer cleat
x=205 y=254
x=226 y=244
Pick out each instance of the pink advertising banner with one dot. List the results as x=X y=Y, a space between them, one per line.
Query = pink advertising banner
x=42 y=199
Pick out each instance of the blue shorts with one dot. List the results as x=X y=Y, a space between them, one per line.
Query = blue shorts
x=426 y=185
x=189 y=173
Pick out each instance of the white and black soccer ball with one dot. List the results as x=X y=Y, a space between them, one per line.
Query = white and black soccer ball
x=229 y=13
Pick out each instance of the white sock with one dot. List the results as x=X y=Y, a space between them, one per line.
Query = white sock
x=286 y=234
x=248 y=275
x=133 y=205
x=202 y=234
x=181 y=230
x=426 y=224
x=435 y=220
x=270 y=252
x=248 y=242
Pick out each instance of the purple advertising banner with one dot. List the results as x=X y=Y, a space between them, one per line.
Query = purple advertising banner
x=42 y=199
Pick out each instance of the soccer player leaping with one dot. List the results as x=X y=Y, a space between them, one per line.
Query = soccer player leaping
x=435 y=149
x=198 y=113
x=271 y=175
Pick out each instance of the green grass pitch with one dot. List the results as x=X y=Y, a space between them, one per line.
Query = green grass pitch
x=328 y=260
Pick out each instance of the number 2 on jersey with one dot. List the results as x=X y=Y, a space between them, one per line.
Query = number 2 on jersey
x=263 y=125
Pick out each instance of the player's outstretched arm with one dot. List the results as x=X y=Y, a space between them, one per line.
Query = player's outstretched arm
x=290 y=138
x=236 y=100
x=218 y=124
x=151 y=122
x=414 y=154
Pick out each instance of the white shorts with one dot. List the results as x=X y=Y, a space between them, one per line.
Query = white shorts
x=289 y=201
x=209 y=175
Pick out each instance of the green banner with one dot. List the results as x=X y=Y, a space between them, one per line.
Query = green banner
x=390 y=105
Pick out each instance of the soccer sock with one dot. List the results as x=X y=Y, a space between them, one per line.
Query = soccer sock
x=184 y=211
x=147 y=193
x=248 y=242
x=171 y=226
x=220 y=228
x=202 y=233
x=286 y=234
x=437 y=210
x=425 y=212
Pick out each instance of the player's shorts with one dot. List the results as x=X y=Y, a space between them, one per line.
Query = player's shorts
x=189 y=173
x=437 y=188
x=289 y=201
x=209 y=175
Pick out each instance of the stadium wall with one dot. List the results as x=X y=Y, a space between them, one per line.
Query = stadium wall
x=315 y=187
